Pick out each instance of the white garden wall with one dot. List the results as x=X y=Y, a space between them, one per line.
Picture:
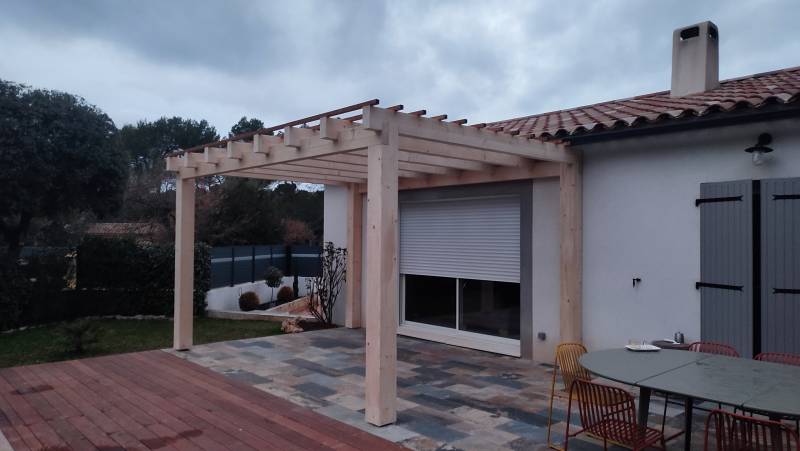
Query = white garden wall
x=227 y=298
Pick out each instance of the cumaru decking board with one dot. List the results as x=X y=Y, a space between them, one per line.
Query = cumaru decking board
x=154 y=400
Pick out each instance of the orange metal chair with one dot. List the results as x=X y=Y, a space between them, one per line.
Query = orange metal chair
x=733 y=432
x=610 y=413
x=713 y=348
x=567 y=364
x=779 y=357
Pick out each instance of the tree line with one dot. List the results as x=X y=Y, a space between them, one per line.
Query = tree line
x=64 y=165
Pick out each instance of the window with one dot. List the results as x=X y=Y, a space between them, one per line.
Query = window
x=477 y=306
x=430 y=300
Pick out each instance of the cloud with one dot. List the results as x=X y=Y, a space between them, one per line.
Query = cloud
x=278 y=61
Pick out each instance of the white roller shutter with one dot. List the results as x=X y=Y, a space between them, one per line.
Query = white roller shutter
x=475 y=238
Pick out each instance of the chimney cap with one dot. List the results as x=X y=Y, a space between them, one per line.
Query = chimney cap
x=695 y=59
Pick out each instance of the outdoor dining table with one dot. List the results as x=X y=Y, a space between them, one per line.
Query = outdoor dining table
x=769 y=388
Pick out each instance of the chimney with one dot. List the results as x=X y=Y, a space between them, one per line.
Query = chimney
x=695 y=59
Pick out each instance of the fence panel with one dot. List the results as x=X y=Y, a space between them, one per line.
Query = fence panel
x=231 y=265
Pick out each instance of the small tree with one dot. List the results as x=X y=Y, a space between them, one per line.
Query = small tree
x=323 y=290
x=273 y=277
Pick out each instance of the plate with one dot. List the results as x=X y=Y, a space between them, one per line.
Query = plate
x=642 y=348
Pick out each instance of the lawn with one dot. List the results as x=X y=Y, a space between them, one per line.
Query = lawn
x=44 y=344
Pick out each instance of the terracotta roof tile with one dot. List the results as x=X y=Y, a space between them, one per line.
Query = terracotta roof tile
x=754 y=91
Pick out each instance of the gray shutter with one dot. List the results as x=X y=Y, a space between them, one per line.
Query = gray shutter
x=726 y=260
x=475 y=238
x=780 y=265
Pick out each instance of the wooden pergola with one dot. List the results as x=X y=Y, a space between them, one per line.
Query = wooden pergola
x=379 y=151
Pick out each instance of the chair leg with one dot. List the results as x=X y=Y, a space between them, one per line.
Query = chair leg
x=550 y=412
x=569 y=415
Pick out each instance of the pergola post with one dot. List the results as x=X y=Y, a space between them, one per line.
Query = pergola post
x=571 y=233
x=382 y=281
x=184 y=263
x=354 y=236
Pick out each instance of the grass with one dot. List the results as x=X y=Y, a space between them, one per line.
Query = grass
x=44 y=344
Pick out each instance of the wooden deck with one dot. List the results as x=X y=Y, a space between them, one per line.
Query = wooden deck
x=153 y=400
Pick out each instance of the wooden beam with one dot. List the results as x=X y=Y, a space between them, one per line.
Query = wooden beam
x=352 y=139
x=468 y=154
x=184 y=265
x=359 y=158
x=294 y=136
x=262 y=143
x=335 y=168
x=496 y=174
x=282 y=177
x=431 y=129
x=354 y=251
x=330 y=127
x=382 y=284
x=571 y=234
x=280 y=172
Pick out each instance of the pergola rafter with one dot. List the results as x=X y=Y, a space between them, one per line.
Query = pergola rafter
x=379 y=151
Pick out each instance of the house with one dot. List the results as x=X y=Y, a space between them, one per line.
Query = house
x=625 y=220
x=479 y=264
x=140 y=231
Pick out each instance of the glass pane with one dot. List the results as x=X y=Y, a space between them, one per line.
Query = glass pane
x=431 y=300
x=490 y=308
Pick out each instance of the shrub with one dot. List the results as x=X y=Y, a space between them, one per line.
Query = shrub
x=14 y=294
x=138 y=278
x=273 y=277
x=249 y=301
x=323 y=290
x=79 y=334
x=285 y=294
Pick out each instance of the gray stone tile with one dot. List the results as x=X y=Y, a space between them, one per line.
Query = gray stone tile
x=315 y=390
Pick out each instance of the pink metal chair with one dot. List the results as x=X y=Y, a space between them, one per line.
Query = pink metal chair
x=779 y=357
x=733 y=432
x=609 y=413
x=713 y=348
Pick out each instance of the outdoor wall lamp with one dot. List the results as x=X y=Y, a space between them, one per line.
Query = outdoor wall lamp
x=760 y=149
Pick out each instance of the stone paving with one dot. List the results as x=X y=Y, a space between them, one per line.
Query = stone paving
x=449 y=398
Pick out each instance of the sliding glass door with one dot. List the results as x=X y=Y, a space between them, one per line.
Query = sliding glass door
x=484 y=307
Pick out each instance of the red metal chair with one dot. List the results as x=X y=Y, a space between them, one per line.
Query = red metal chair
x=709 y=348
x=733 y=432
x=784 y=359
x=713 y=348
x=609 y=413
x=779 y=357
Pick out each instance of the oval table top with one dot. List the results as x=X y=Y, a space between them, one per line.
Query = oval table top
x=750 y=384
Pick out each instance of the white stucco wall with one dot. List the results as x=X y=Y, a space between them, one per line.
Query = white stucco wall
x=546 y=254
x=639 y=220
x=335 y=230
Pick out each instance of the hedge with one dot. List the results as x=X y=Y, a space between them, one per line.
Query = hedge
x=115 y=276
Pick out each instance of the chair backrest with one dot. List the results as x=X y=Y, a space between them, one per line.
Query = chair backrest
x=600 y=404
x=713 y=348
x=779 y=357
x=567 y=355
x=734 y=432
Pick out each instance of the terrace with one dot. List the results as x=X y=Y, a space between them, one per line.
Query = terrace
x=302 y=391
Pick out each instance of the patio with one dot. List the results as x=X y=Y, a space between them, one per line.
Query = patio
x=449 y=398
x=152 y=400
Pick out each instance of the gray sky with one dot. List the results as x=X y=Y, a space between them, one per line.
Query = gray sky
x=483 y=60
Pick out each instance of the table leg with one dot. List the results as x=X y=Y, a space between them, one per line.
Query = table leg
x=644 y=405
x=688 y=408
